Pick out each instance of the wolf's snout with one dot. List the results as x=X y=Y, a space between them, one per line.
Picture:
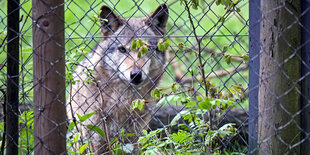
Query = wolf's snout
x=136 y=77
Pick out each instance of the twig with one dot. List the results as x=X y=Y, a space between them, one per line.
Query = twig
x=3 y=41
x=72 y=114
x=219 y=73
x=212 y=51
x=233 y=57
x=71 y=108
x=179 y=73
x=104 y=121
x=224 y=72
x=199 y=46
x=199 y=52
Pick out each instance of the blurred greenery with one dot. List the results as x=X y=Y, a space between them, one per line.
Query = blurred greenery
x=82 y=33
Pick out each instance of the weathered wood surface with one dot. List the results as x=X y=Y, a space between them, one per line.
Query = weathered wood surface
x=49 y=77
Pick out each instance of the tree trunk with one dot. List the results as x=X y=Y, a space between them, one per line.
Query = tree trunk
x=279 y=91
x=49 y=77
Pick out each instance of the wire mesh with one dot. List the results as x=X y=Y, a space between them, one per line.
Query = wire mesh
x=134 y=82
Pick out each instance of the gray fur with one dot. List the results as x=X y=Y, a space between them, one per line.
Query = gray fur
x=110 y=93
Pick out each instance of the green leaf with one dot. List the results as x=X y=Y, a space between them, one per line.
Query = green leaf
x=245 y=58
x=205 y=104
x=141 y=105
x=238 y=9
x=142 y=140
x=82 y=148
x=129 y=135
x=181 y=136
x=139 y=55
x=227 y=59
x=134 y=104
x=198 y=98
x=227 y=130
x=114 y=140
x=230 y=103
x=171 y=99
x=72 y=152
x=69 y=76
x=85 y=117
x=160 y=47
x=139 y=43
x=76 y=137
x=87 y=80
x=168 y=41
x=175 y=119
x=195 y=4
x=184 y=100
x=225 y=48
x=146 y=42
x=96 y=129
x=71 y=126
x=179 y=116
x=190 y=104
x=174 y=87
x=155 y=93
x=227 y=2
x=144 y=50
x=138 y=103
x=218 y=102
x=144 y=132
x=134 y=45
x=163 y=44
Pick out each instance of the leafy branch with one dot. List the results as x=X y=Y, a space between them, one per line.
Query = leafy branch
x=195 y=3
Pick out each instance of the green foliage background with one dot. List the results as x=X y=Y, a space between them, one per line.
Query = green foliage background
x=82 y=34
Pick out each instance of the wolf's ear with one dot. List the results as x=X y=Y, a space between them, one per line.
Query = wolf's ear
x=158 y=19
x=109 y=21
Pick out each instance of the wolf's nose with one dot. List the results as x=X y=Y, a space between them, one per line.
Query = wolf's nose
x=136 y=77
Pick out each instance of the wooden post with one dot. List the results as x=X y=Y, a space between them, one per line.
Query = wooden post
x=279 y=90
x=12 y=77
x=49 y=77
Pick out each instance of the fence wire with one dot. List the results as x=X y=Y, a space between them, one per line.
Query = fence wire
x=158 y=77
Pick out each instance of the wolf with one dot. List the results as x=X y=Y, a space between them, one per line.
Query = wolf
x=112 y=76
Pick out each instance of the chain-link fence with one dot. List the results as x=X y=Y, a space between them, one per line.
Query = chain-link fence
x=154 y=77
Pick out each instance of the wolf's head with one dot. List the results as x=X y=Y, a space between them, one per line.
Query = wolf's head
x=118 y=34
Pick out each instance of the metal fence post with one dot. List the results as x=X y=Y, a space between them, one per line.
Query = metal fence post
x=254 y=37
x=12 y=76
x=305 y=68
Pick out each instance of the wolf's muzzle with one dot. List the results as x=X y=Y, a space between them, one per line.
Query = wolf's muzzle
x=136 y=77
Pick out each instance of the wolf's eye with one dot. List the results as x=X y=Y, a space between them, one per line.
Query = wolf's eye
x=122 y=49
